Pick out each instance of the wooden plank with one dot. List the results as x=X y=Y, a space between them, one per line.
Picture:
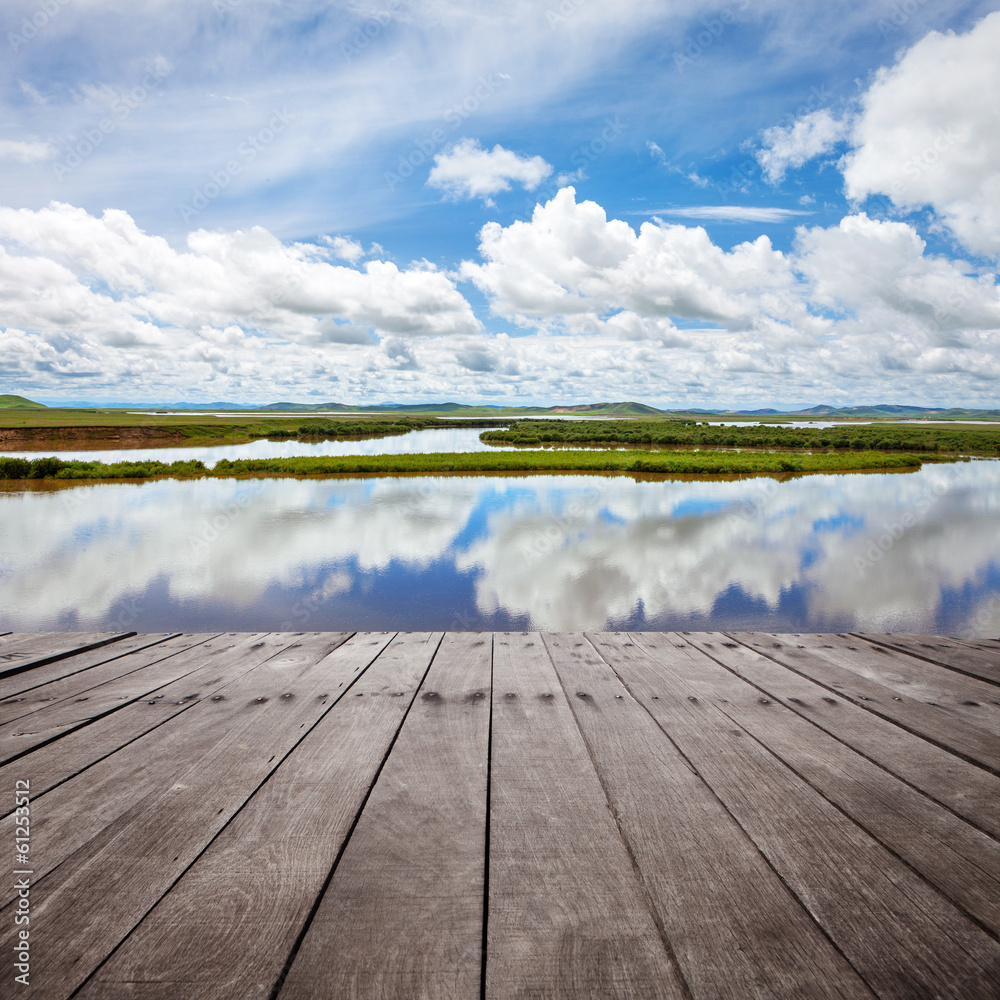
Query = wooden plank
x=975 y=701
x=75 y=812
x=961 y=861
x=568 y=916
x=681 y=838
x=419 y=907
x=220 y=660
x=159 y=667
x=934 y=724
x=901 y=935
x=136 y=859
x=228 y=926
x=46 y=648
x=951 y=653
x=108 y=663
x=970 y=792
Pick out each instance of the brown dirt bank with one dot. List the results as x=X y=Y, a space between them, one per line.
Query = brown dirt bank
x=63 y=438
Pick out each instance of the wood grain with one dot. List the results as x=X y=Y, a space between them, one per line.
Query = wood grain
x=568 y=916
x=962 y=862
x=928 y=721
x=130 y=655
x=227 y=929
x=902 y=936
x=975 y=701
x=162 y=667
x=409 y=887
x=16 y=657
x=968 y=791
x=138 y=856
x=974 y=660
x=74 y=670
x=735 y=930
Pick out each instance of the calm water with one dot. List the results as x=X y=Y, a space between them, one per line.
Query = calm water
x=915 y=552
x=443 y=439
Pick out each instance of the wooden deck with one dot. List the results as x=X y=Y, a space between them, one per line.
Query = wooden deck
x=414 y=815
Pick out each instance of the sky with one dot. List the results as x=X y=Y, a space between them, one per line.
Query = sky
x=759 y=204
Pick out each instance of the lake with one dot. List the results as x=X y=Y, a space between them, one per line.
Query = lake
x=914 y=552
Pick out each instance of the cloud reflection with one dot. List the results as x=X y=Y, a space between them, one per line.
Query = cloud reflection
x=903 y=552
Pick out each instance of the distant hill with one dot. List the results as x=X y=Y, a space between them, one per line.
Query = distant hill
x=9 y=402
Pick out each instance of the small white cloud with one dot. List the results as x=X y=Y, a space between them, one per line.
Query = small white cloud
x=656 y=152
x=812 y=135
x=466 y=170
x=26 y=151
x=727 y=213
x=345 y=248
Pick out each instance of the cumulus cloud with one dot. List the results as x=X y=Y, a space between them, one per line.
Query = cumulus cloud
x=26 y=150
x=812 y=135
x=466 y=170
x=929 y=134
x=64 y=269
x=570 y=260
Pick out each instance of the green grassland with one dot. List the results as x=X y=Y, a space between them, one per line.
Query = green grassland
x=946 y=439
x=629 y=462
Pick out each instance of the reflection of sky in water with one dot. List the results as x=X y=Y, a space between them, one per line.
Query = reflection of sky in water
x=443 y=439
x=917 y=552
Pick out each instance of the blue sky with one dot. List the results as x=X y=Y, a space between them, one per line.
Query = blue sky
x=750 y=204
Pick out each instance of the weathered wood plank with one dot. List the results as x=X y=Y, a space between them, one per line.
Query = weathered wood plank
x=409 y=887
x=220 y=660
x=682 y=838
x=975 y=701
x=968 y=791
x=903 y=937
x=931 y=723
x=136 y=859
x=228 y=926
x=950 y=653
x=35 y=652
x=961 y=861
x=128 y=655
x=48 y=722
x=80 y=809
x=568 y=916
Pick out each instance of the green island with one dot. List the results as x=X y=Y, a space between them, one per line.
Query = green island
x=950 y=439
x=630 y=462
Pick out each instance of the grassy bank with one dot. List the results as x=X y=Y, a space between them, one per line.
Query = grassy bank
x=637 y=462
x=688 y=434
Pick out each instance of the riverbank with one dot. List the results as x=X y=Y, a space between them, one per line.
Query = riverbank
x=639 y=462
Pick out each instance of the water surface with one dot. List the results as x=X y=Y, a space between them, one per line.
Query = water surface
x=917 y=552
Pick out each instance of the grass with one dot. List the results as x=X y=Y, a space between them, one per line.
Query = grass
x=633 y=462
x=687 y=434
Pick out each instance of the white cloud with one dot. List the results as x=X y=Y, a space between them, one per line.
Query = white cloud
x=26 y=150
x=345 y=248
x=466 y=170
x=929 y=134
x=728 y=213
x=812 y=135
